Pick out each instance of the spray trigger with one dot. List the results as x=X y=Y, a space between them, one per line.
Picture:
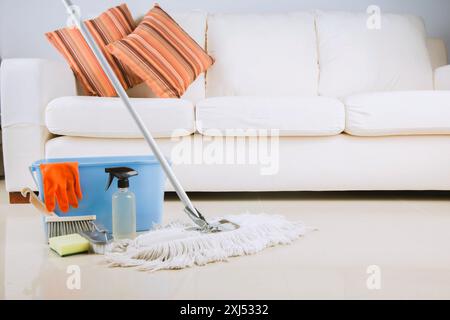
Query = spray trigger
x=122 y=174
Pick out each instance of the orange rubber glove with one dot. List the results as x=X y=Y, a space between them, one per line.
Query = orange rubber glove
x=61 y=183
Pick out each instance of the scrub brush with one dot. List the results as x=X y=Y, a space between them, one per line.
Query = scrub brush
x=56 y=226
x=60 y=226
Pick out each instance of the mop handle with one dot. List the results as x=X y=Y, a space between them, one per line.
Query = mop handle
x=190 y=209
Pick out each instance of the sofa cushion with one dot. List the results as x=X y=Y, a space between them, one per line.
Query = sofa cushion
x=291 y=116
x=262 y=54
x=398 y=113
x=355 y=59
x=340 y=162
x=108 y=118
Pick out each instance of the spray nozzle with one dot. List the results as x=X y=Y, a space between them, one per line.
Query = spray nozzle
x=122 y=174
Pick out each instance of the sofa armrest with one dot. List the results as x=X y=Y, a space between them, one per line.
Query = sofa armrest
x=442 y=78
x=26 y=87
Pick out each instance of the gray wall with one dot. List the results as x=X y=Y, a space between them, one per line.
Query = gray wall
x=23 y=22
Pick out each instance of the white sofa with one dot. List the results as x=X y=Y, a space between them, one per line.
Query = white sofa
x=354 y=108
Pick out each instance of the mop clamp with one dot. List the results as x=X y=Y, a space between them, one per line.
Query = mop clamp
x=204 y=226
x=197 y=218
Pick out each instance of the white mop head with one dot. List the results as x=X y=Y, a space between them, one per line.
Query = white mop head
x=174 y=247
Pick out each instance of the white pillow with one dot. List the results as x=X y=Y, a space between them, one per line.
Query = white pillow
x=262 y=55
x=354 y=58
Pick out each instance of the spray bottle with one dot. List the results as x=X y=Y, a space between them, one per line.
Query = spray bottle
x=123 y=203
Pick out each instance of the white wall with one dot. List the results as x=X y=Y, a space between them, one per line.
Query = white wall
x=23 y=22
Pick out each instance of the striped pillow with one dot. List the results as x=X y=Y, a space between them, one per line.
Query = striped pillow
x=110 y=26
x=162 y=54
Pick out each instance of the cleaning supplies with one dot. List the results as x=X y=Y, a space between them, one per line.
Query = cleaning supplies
x=123 y=203
x=62 y=184
x=69 y=244
x=59 y=226
x=148 y=187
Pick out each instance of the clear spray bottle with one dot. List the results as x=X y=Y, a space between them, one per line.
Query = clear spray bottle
x=123 y=203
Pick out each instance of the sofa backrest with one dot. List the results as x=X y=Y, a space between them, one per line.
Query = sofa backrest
x=262 y=54
x=265 y=54
x=355 y=58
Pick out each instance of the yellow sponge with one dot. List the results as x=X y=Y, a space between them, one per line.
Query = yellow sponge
x=69 y=244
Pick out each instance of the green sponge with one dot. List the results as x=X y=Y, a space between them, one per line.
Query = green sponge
x=69 y=244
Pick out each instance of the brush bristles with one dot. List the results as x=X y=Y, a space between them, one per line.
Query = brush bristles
x=62 y=228
x=101 y=248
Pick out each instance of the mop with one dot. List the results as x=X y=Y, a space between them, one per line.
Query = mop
x=180 y=245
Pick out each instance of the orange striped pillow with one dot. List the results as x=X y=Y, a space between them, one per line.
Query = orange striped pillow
x=162 y=54
x=110 y=26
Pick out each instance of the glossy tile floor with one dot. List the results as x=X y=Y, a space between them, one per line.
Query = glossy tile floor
x=406 y=235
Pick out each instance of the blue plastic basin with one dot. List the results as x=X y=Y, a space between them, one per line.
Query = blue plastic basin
x=148 y=186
